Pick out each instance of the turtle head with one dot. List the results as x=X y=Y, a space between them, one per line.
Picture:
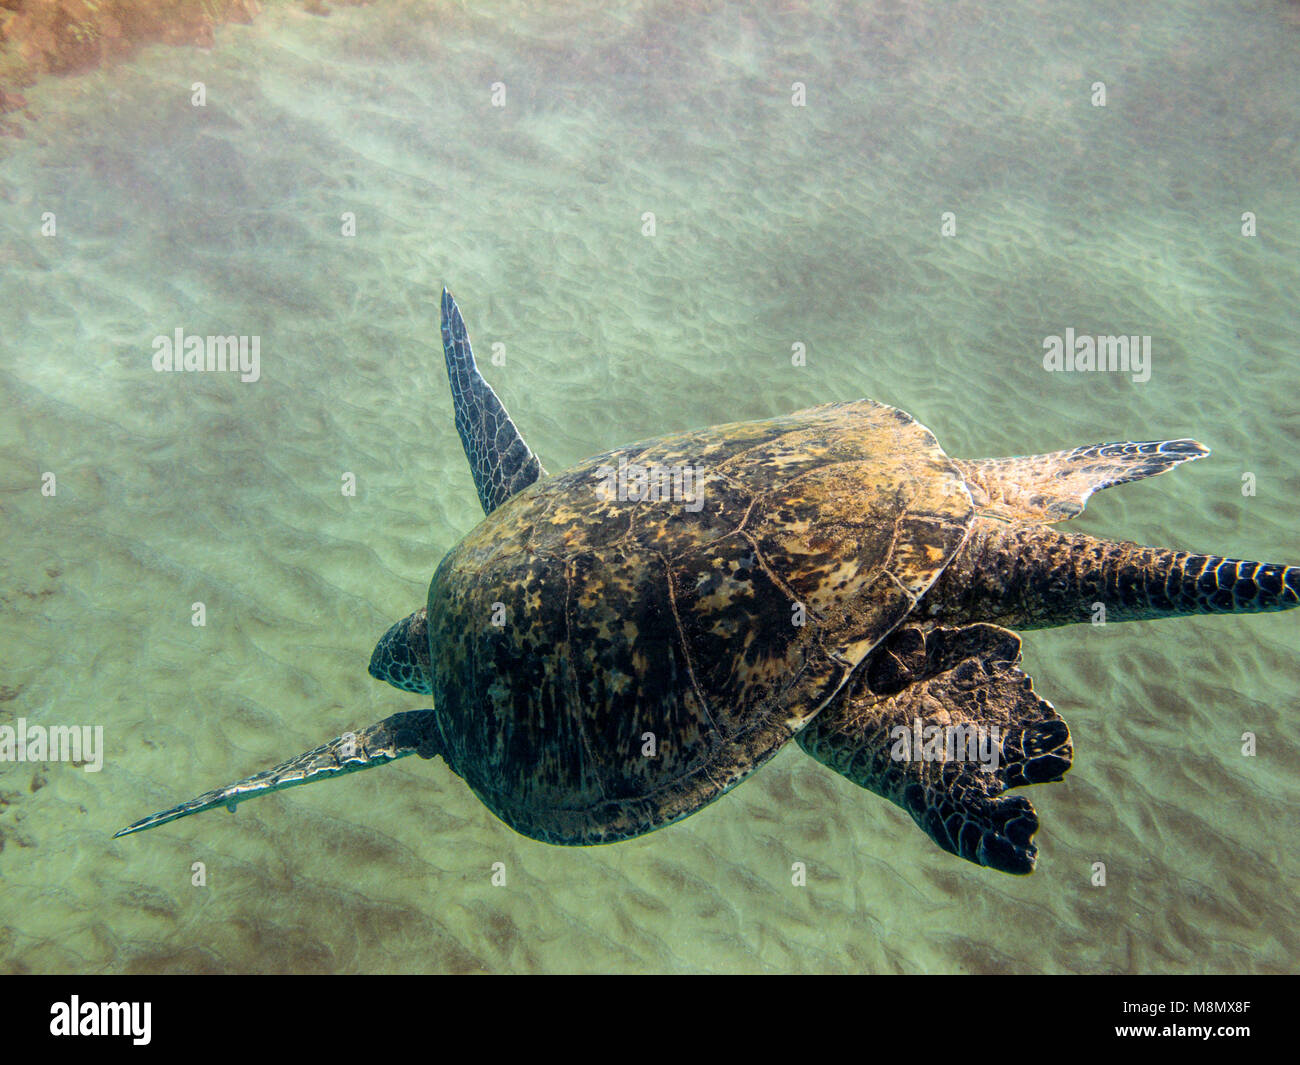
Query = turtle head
x=402 y=655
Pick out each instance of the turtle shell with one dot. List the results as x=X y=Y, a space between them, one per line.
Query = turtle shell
x=612 y=650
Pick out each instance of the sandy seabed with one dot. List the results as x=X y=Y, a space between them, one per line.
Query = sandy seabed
x=774 y=225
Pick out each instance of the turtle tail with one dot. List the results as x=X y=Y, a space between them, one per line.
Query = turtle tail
x=1030 y=576
x=395 y=737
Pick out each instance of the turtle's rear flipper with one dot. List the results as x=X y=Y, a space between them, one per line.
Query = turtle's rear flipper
x=394 y=737
x=942 y=723
x=1050 y=488
x=502 y=464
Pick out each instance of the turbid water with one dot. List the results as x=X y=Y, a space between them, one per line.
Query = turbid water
x=774 y=225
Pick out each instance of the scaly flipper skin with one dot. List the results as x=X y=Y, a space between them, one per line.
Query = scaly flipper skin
x=1053 y=487
x=394 y=737
x=502 y=464
x=401 y=657
x=1033 y=577
x=966 y=677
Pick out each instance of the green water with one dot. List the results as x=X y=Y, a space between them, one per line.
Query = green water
x=775 y=225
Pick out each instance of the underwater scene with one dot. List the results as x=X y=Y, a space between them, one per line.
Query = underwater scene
x=242 y=427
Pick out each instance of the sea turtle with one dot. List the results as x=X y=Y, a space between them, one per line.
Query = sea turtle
x=615 y=646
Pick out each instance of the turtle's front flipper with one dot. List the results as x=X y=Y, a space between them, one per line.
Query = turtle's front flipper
x=394 y=737
x=942 y=723
x=1033 y=577
x=1054 y=487
x=502 y=464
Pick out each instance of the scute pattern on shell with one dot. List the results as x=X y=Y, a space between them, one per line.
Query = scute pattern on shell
x=625 y=620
